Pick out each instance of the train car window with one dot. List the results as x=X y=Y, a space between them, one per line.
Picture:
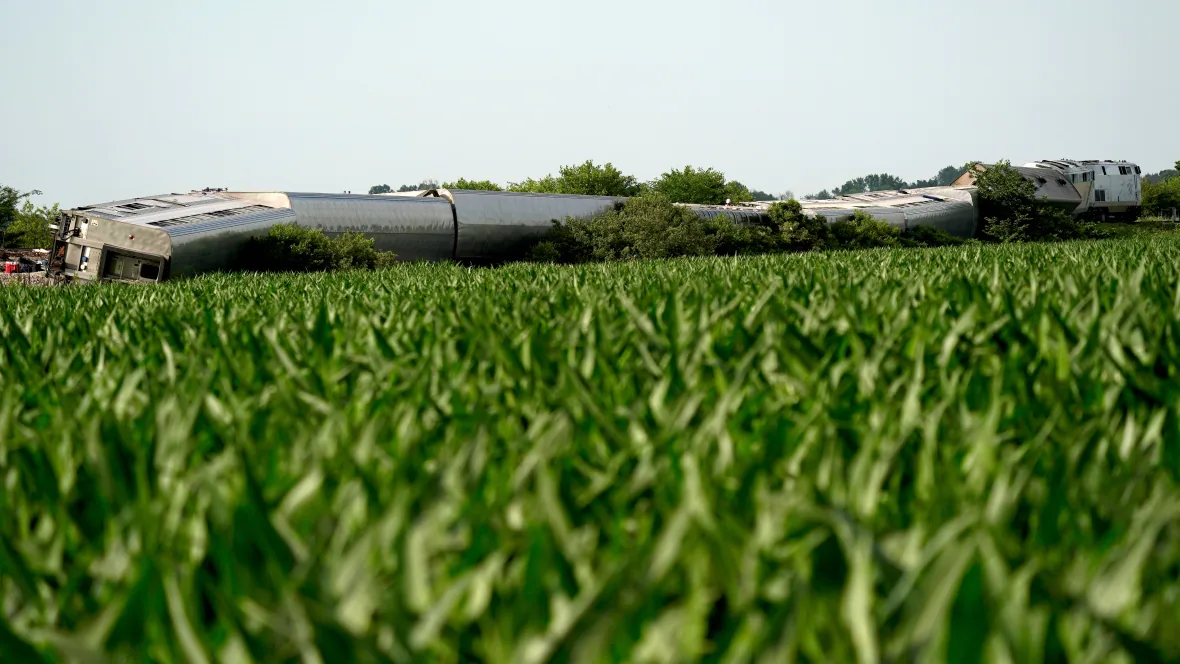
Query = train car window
x=1104 y=170
x=1137 y=171
x=1099 y=195
x=149 y=271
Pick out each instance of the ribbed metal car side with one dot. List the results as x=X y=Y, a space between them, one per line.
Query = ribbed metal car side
x=214 y=244
x=498 y=225
x=738 y=215
x=413 y=228
x=955 y=213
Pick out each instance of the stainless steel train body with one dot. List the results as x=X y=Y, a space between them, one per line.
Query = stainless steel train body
x=492 y=225
x=949 y=209
x=153 y=238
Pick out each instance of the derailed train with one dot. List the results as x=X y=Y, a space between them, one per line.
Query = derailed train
x=152 y=238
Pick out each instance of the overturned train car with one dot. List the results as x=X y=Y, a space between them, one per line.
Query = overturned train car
x=953 y=210
x=153 y=238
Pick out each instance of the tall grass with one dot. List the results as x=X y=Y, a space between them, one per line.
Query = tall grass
x=959 y=454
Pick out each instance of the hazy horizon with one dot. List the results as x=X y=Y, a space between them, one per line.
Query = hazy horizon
x=129 y=97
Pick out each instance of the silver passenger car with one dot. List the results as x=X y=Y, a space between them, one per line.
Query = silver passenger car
x=413 y=228
x=493 y=225
x=949 y=209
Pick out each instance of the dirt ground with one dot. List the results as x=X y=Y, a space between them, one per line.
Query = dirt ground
x=27 y=278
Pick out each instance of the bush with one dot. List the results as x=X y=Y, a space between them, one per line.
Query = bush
x=654 y=227
x=799 y=232
x=355 y=251
x=294 y=248
x=732 y=239
x=642 y=227
x=928 y=236
x=863 y=231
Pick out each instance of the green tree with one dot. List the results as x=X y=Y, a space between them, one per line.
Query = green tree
x=864 y=231
x=9 y=212
x=823 y=195
x=422 y=186
x=31 y=228
x=1155 y=178
x=641 y=227
x=703 y=186
x=1160 y=198
x=546 y=185
x=480 y=185
x=586 y=179
x=798 y=231
x=380 y=189
x=759 y=195
x=736 y=192
x=947 y=176
x=874 y=182
x=1011 y=212
x=944 y=178
x=294 y=248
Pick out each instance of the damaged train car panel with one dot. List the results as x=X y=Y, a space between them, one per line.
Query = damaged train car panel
x=139 y=240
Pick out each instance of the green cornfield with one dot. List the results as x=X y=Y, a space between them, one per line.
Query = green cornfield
x=962 y=454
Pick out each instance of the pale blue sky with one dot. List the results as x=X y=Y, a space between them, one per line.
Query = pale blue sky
x=119 y=98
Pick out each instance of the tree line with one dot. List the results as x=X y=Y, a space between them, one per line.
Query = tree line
x=706 y=186
x=888 y=182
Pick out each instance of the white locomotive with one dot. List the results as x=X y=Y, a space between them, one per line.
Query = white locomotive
x=1109 y=189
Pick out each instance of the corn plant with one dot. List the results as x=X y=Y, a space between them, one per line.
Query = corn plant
x=958 y=454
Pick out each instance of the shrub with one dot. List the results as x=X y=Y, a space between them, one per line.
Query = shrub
x=642 y=227
x=863 y=231
x=545 y=252
x=799 y=232
x=928 y=236
x=654 y=227
x=294 y=248
x=355 y=251
x=290 y=248
x=732 y=239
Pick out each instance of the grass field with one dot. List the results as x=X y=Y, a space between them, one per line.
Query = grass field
x=916 y=455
